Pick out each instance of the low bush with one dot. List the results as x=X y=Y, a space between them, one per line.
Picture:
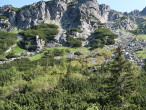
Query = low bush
x=44 y=31
x=15 y=9
x=7 y=39
x=11 y=55
x=76 y=30
x=102 y=36
x=78 y=53
x=3 y=17
x=72 y=42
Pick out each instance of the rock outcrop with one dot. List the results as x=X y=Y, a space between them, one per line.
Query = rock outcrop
x=134 y=13
x=105 y=11
x=143 y=12
x=4 y=24
x=40 y=43
x=83 y=14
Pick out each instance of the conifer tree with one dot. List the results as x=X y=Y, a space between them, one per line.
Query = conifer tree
x=63 y=60
x=120 y=85
x=144 y=67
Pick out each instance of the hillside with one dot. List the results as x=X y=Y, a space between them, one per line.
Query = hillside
x=72 y=55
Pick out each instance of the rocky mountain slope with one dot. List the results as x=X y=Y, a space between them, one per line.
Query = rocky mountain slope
x=77 y=18
x=84 y=14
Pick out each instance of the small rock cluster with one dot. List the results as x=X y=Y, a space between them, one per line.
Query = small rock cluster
x=130 y=46
x=40 y=43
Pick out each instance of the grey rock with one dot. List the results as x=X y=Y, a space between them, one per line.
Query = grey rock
x=40 y=43
x=105 y=11
x=143 y=12
x=135 y=13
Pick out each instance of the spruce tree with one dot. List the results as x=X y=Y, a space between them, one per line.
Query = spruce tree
x=144 y=67
x=121 y=83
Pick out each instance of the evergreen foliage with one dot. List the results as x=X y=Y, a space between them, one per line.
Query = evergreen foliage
x=45 y=31
x=102 y=36
x=6 y=40
x=73 y=42
x=55 y=84
x=75 y=29
x=3 y=17
x=121 y=84
x=15 y=9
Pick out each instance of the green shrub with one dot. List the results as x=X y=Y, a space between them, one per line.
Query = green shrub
x=45 y=31
x=58 y=52
x=72 y=42
x=11 y=55
x=7 y=39
x=2 y=58
x=123 y=18
x=81 y=39
x=4 y=24
x=78 y=53
x=3 y=17
x=76 y=30
x=15 y=9
x=102 y=36
x=34 y=7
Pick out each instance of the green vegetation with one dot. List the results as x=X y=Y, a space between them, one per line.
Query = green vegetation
x=103 y=37
x=15 y=9
x=69 y=48
x=85 y=16
x=24 y=7
x=6 y=40
x=73 y=42
x=141 y=37
x=3 y=17
x=17 y=50
x=16 y=31
x=75 y=29
x=123 y=18
x=141 y=29
x=141 y=54
x=11 y=55
x=122 y=80
x=65 y=84
x=104 y=52
x=45 y=31
x=36 y=57
x=77 y=4
x=4 y=24
x=34 y=7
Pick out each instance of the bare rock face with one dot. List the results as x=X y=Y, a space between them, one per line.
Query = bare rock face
x=134 y=13
x=4 y=24
x=48 y=12
x=39 y=43
x=67 y=13
x=83 y=14
x=118 y=20
x=143 y=12
x=105 y=11
x=113 y=15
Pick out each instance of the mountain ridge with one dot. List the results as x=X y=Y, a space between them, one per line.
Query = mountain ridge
x=77 y=19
